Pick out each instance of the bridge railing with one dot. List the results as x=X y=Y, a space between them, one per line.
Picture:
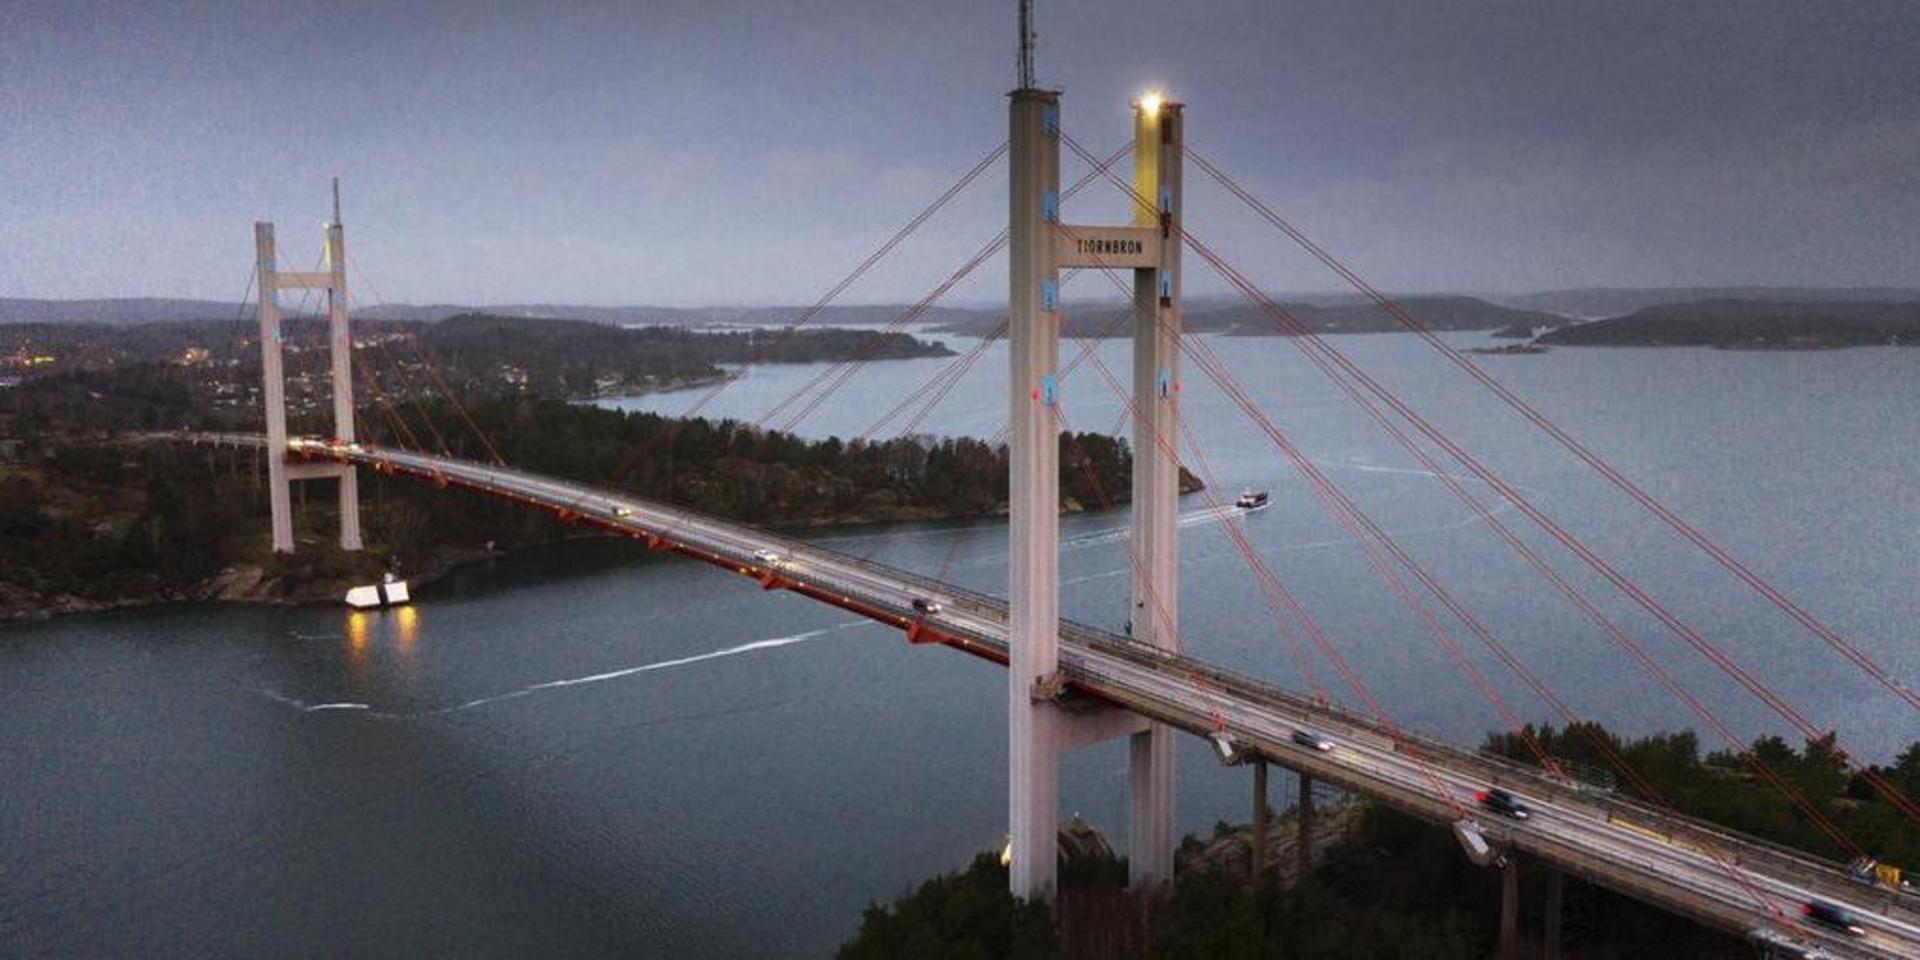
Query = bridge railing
x=1742 y=848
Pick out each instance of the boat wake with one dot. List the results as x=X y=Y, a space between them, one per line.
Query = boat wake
x=756 y=646
x=305 y=707
x=1219 y=514
x=1191 y=518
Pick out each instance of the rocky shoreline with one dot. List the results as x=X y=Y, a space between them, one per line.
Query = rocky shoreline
x=246 y=583
x=253 y=583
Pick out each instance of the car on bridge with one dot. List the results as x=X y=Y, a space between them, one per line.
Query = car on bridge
x=1833 y=917
x=769 y=558
x=927 y=606
x=1503 y=803
x=1312 y=740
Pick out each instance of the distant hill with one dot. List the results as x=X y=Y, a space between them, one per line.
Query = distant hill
x=1596 y=302
x=576 y=358
x=1437 y=312
x=858 y=315
x=1244 y=319
x=134 y=310
x=1751 y=324
x=131 y=310
x=116 y=311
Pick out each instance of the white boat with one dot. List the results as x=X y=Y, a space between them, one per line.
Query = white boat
x=1251 y=499
x=391 y=592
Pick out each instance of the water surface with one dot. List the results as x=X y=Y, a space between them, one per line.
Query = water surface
x=590 y=750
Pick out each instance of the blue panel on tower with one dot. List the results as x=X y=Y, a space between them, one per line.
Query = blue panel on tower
x=1050 y=121
x=1166 y=198
x=1049 y=389
x=1165 y=380
x=1166 y=283
x=1049 y=294
x=1050 y=206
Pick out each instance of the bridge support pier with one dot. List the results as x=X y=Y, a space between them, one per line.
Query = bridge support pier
x=1510 y=908
x=1258 y=860
x=1556 y=899
x=1303 y=812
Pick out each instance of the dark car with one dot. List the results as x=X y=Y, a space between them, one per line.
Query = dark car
x=1311 y=740
x=1504 y=803
x=1832 y=917
x=927 y=605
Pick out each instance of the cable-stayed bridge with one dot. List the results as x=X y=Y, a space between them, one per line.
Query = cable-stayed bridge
x=1070 y=685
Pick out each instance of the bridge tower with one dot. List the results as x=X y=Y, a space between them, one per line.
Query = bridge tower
x=280 y=471
x=1156 y=466
x=1040 y=244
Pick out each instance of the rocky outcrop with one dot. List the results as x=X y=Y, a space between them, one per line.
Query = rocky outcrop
x=235 y=583
x=1231 y=852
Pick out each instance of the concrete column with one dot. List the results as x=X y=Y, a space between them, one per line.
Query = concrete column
x=1556 y=898
x=273 y=391
x=1156 y=471
x=341 y=340
x=1259 y=858
x=1510 y=908
x=1303 y=814
x=1033 y=593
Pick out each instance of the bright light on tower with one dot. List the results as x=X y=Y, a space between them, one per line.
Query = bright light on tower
x=1150 y=102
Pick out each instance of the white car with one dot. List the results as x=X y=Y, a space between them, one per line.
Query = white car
x=769 y=558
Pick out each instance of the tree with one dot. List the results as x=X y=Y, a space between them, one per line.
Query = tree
x=960 y=916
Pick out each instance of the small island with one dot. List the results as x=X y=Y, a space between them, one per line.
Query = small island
x=1509 y=349
x=1235 y=317
x=96 y=515
x=1751 y=325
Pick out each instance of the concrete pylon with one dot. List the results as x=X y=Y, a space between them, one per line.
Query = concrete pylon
x=280 y=472
x=1033 y=596
x=340 y=348
x=1038 y=730
x=1156 y=470
x=273 y=390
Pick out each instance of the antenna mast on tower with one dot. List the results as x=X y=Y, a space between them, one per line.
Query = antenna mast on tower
x=1026 y=44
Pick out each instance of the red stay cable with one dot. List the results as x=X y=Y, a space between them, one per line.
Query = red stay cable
x=813 y=311
x=1303 y=336
x=1573 y=445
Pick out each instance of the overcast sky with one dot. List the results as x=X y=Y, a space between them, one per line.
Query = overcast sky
x=701 y=152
